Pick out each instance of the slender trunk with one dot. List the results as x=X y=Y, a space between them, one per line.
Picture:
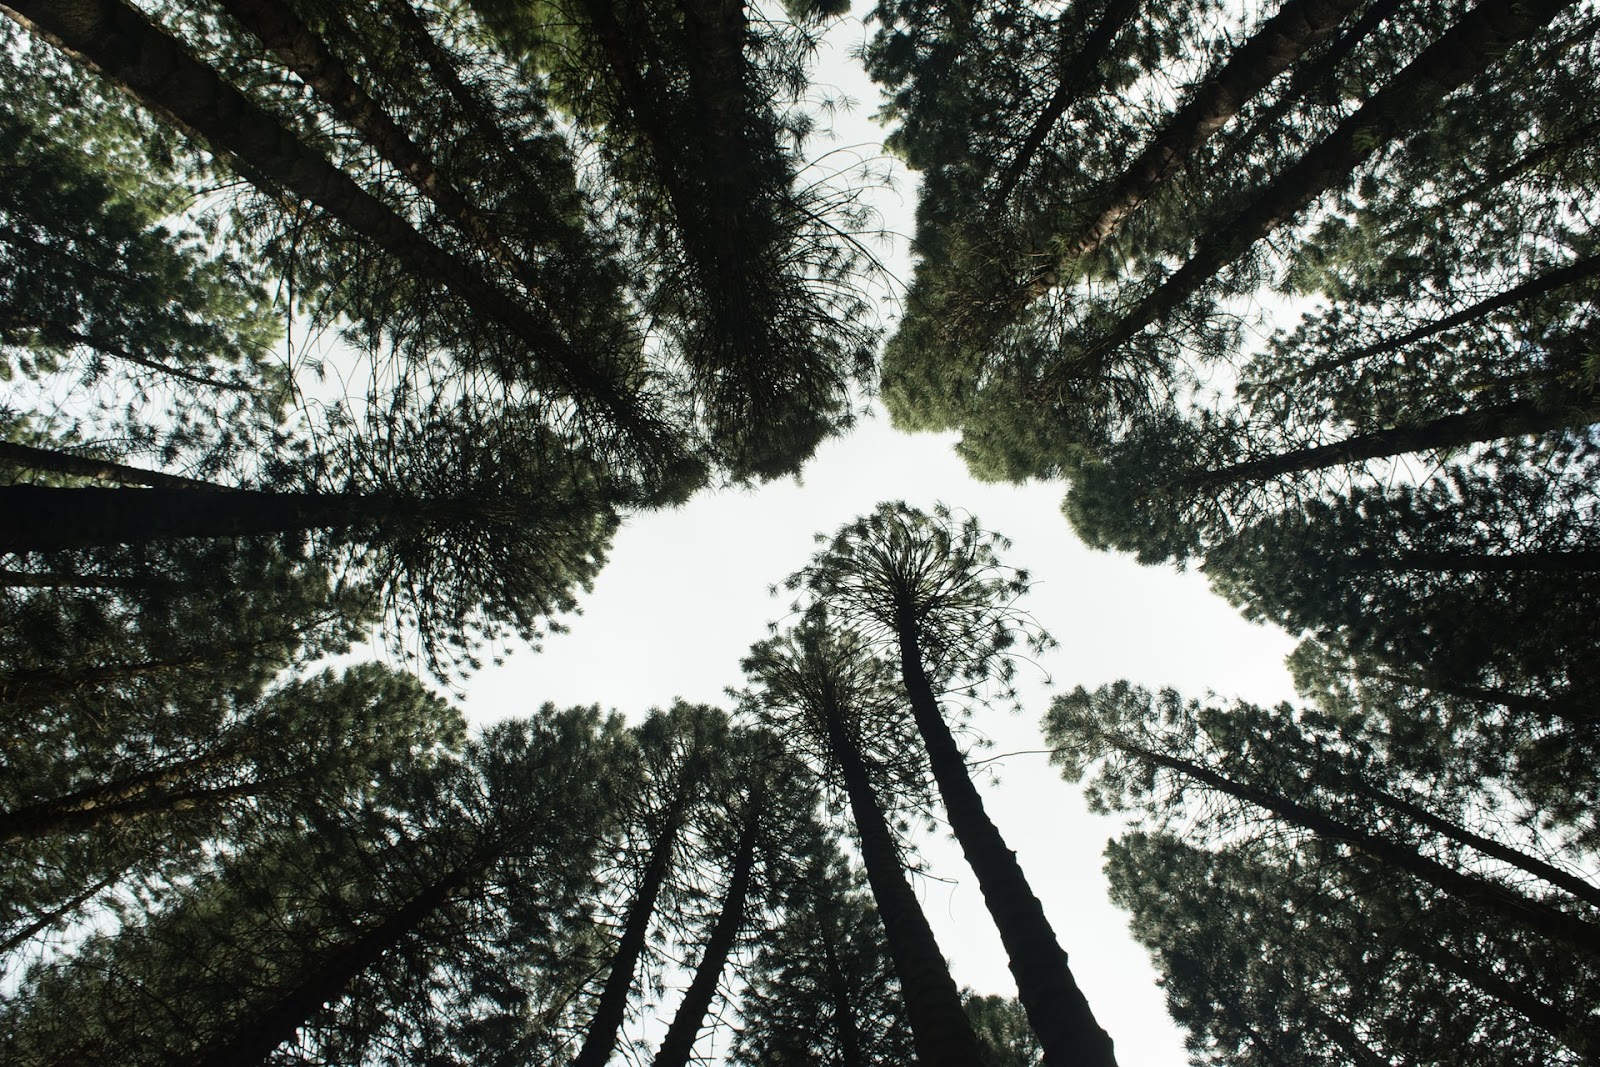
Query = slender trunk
x=1548 y=282
x=51 y=461
x=1576 y=1034
x=1446 y=828
x=261 y=1032
x=65 y=337
x=1057 y=1009
x=1503 y=901
x=55 y=915
x=678 y=1045
x=1077 y=73
x=131 y=52
x=1344 y=1035
x=942 y=1035
x=1566 y=706
x=613 y=1003
x=1282 y=39
x=29 y=824
x=1517 y=418
x=36 y=518
x=1412 y=95
x=844 y=1011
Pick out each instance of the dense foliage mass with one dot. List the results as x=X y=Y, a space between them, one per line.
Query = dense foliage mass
x=321 y=318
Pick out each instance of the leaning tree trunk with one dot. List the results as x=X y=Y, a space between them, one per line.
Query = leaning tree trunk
x=612 y=1006
x=678 y=1045
x=260 y=1032
x=1509 y=905
x=88 y=813
x=1413 y=94
x=123 y=45
x=939 y=1028
x=1297 y=26
x=51 y=461
x=1057 y=1009
x=37 y=518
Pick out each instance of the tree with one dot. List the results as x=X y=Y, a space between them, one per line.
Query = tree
x=931 y=593
x=826 y=693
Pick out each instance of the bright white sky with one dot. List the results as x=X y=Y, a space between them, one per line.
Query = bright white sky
x=686 y=594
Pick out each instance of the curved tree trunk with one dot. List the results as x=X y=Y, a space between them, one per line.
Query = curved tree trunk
x=612 y=1006
x=678 y=1045
x=943 y=1037
x=1459 y=55
x=131 y=52
x=1057 y=1009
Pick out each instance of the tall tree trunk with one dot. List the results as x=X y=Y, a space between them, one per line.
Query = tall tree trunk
x=131 y=52
x=1452 y=831
x=44 y=820
x=1077 y=72
x=36 y=518
x=1412 y=95
x=1506 y=903
x=1282 y=39
x=260 y=1032
x=939 y=1028
x=51 y=461
x=844 y=1011
x=612 y=1006
x=1057 y=1009
x=1517 y=418
x=41 y=923
x=678 y=1045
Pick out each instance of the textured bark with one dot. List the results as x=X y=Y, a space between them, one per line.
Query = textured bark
x=262 y=1031
x=942 y=1035
x=1411 y=96
x=151 y=66
x=1506 y=903
x=1077 y=74
x=36 y=518
x=1057 y=1010
x=1517 y=418
x=51 y=461
x=1282 y=39
x=678 y=1045
x=612 y=1006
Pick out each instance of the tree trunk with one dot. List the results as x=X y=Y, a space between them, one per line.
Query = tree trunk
x=1297 y=26
x=35 y=518
x=1517 y=418
x=131 y=52
x=1510 y=905
x=678 y=1045
x=1412 y=95
x=939 y=1028
x=51 y=461
x=62 y=817
x=44 y=922
x=1057 y=1009
x=612 y=1006
x=13 y=579
x=844 y=1012
x=261 y=1032
x=1077 y=72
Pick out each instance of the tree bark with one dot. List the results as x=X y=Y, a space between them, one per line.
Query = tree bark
x=1282 y=39
x=35 y=518
x=1517 y=418
x=61 y=817
x=1459 y=55
x=601 y=1037
x=678 y=1045
x=940 y=1031
x=270 y=1027
x=52 y=461
x=1057 y=1009
x=1510 y=905
x=134 y=54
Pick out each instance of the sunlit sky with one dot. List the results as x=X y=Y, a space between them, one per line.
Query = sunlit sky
x=687 y=592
